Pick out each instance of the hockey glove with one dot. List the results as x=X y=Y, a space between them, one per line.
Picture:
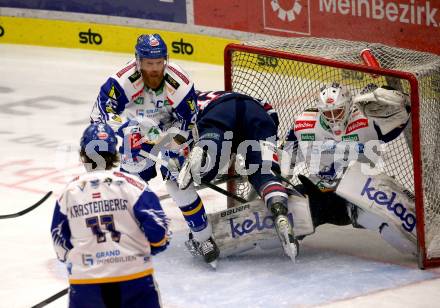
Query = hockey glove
x=383 y=102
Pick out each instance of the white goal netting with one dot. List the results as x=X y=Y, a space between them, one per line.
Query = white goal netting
x=289 y=72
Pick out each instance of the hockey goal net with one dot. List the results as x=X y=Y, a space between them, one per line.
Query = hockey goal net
x=289 y=72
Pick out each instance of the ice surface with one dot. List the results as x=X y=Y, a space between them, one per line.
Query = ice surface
x=46 y=95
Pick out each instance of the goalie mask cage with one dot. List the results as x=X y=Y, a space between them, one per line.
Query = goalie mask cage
x=289 y=72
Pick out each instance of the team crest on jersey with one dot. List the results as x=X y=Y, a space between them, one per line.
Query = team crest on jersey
x=108 y=181
x=172 y=81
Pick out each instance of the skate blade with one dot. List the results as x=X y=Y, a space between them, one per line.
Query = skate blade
x=288 y=242
x=213 y=264
x=291 y=251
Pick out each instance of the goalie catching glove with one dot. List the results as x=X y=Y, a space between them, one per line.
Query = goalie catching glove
x=382 y=102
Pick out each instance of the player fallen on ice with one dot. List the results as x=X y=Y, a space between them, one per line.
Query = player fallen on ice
x=227 y=123
x=148 y=98
x=105 y=227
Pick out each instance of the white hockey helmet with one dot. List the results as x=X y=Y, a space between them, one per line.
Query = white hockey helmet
x=334 y=104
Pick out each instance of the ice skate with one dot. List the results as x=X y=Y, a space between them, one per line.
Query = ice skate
x=284 y=230
x=207 y=249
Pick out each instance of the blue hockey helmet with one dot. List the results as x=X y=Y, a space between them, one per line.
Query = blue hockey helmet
x=100 y=136
x=150 y=46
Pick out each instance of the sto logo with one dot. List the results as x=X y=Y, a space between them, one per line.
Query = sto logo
x=290 y=14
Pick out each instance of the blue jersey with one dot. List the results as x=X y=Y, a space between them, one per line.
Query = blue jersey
x=234 y=121
x=211 y=98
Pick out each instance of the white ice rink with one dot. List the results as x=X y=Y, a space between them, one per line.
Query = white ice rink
x=46 y=95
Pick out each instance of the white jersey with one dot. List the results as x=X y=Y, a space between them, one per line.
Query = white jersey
x=124 y=96
x=312 y=140
x=105 y=226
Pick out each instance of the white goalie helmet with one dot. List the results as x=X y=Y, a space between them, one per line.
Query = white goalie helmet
x=334 y=104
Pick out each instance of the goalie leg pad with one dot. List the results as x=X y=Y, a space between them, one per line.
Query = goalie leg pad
x=391 y=233
x=382 y=202
x=249 y=225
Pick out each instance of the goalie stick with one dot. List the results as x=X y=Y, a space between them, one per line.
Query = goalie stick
x=32 y=207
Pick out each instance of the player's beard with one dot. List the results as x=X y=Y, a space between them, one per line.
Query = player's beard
x=153 y=79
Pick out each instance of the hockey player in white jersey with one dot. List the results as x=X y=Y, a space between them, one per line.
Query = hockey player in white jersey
x=342 y=187
x=105 y=227
x=147 y=96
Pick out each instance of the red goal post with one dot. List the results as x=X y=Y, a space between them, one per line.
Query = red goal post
x=289 y=72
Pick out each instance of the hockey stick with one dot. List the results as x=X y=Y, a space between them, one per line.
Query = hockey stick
x=206 y=184
x=54 y=297
x=218 y=181
x=224 y=192
x=21 y=213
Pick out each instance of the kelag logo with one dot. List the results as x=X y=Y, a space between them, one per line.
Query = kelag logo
x=398 y=209
x=182 y=47
x=290 y=16
x=2 y=31
x=90 y=37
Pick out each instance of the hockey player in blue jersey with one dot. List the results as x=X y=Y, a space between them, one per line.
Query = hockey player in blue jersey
x=230 y=122
x=146 y=100
x=105 y=227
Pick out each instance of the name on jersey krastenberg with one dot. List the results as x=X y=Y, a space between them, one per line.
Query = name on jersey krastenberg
x=98 y=207
x=393 y=11
x=251 y=224
x=398 y=209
